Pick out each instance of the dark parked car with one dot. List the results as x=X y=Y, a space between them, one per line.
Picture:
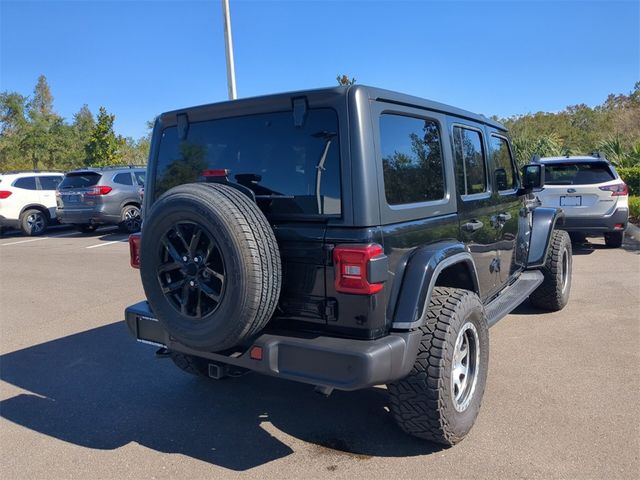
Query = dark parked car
x=87 y=198
x=343 y=238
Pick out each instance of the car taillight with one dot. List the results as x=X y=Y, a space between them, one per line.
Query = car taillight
x=617 y=190
x=101 y=190
x=5 y=193
x=134 y=249
x=352 y=269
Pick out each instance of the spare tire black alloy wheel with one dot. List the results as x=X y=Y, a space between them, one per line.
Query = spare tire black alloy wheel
x=191 y=270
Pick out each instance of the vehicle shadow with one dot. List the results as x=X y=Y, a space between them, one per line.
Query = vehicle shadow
x=100 y=389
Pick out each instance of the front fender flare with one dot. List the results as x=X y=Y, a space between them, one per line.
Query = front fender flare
x=420 y=274
x=542 y=224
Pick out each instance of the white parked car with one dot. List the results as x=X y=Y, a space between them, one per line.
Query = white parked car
x=594 y=199
x=28 y=200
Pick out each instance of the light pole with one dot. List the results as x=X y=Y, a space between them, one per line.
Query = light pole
x=228 y=43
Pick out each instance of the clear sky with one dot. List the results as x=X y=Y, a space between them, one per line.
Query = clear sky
x=139 y=58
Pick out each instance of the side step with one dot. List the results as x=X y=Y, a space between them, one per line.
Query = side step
x=513 y=296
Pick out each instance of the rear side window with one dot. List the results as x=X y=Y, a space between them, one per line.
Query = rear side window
x=27 y=183
x=140 y=178
x=50 y=182
x=411 y=159
x=470 y=163
x=123 y=179
x=574 y=173
x=292 y=169
x=502 y=163
x=79 y=180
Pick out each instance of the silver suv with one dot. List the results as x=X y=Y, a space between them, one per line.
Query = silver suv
x=90 y=197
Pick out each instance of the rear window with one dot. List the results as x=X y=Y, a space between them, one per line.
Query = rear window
x=293 y=170
x=573 y=173
x=79 y=180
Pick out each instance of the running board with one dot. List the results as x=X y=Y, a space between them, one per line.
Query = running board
x=513 y=296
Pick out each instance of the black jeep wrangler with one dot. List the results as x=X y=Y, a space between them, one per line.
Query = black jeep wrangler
x=343 y=237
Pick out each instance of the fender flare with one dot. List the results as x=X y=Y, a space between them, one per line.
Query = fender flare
x=420 y=271
x=543 y=221
x=37 y=206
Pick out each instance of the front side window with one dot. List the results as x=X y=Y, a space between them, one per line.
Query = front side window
x=502 y=163
x=411 y=159
x=470 y=163
x=123 y=179
x=50 y=182
x=292 y=169
x=27 y=183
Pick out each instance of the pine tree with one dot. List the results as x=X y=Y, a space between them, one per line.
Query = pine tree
x=104 y=146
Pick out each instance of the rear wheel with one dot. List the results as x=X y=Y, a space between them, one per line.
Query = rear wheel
x=130 y=219
x=440 y=398
x=33 y=222
x=613 y=239
x=553 y=293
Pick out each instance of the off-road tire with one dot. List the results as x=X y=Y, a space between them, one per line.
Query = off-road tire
x=33 y=222
x=86 y=228
x=422 y=403
x=613 y=239
x=553 y=293
x=190 y=364
x=248 y=248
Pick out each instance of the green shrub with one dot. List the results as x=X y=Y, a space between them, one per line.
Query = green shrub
x=631 y=176
x=634 y=209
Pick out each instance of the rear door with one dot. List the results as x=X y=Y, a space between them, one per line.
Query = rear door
x=48 y=185
x=476 y=206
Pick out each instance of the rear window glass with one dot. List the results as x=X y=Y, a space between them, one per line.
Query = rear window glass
x=293 y=170
x=80 y=180
x=577 y=173
x=28 y=183
x=50 y=183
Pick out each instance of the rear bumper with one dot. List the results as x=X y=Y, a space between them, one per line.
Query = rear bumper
x=602 y=223
x=85 y=216
x=340 y=363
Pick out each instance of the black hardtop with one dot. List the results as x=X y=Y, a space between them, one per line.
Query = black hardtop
x=283 y=102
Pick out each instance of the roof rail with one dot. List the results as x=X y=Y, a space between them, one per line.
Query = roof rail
x=106 y=168
x=599 y=155
x=12 y=172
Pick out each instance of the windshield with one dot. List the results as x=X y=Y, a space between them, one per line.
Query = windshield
x=577 y=173
x=79 y=180
x=293 y=170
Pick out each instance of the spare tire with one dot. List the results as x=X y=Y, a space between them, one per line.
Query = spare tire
x=210 y=265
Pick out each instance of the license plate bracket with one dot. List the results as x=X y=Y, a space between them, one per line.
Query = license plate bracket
x=571 y=201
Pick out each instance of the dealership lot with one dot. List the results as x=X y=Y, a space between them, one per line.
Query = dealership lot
x=79 y=398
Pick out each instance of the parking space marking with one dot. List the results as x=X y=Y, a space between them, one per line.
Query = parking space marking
x=104 y=244
x=39 y=238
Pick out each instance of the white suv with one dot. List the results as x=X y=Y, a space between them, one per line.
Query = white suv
x=588 y=189
x=28 y=200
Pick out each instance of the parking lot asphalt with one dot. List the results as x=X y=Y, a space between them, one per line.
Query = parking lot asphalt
x=79 y=398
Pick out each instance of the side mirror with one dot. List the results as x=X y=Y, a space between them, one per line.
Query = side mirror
x=532 y=177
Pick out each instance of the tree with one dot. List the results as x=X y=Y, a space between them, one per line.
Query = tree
x=104 y=146
x=343 y=80
x=41 y=104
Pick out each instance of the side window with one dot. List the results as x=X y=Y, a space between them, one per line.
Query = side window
x=28 y=183
x=140 y=178
x=50 y=182
x=503 y=163
x=411 y=159
x=123 y=179
x=470 y=163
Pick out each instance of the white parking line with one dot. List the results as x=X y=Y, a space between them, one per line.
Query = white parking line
x=39 y=238
x=104 y=244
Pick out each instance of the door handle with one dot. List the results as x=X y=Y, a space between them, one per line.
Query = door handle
x=504 y=217
x=472 y=226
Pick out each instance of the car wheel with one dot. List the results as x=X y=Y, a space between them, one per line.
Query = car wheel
x=130 y=219
x=553 y=293
x=440 y=398
x=86 y=228
x=613 y=239
x=33 y=222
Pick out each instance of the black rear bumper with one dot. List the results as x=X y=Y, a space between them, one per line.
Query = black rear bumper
x=597 y=224
x=340 y=363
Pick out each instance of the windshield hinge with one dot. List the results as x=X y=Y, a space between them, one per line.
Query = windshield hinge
x=183 y=125
x=299 y=111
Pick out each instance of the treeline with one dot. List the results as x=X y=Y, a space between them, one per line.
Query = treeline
x=612 y=128
x=34 y=136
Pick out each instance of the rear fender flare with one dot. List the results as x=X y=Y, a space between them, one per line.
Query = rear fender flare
x=420 y=275
x=543 y=221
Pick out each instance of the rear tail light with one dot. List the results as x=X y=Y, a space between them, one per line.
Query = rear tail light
x=216 y=172
x=617 y=190
x=134 y=249
x=353 y=269
x=5 y=194
x=101 y=190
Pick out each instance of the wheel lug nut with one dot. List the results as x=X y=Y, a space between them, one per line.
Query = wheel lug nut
x=197 y=259
x=184 y=259
x=192 y=283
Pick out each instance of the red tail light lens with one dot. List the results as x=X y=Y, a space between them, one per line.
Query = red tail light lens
x=5 y=193
x=617 y=190
x=134 y=249
x=351 y=268
x=101 y=190
x=216 y=172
